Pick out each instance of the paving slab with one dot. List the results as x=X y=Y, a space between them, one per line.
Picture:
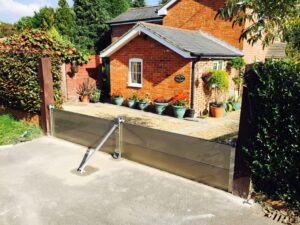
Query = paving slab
x=39 y=186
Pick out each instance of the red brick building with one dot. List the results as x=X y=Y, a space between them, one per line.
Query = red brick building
x=153 y=46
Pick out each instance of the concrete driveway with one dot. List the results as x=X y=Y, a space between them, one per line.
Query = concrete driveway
x=39 y=186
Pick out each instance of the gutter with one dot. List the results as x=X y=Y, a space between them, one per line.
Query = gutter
x=192 y=109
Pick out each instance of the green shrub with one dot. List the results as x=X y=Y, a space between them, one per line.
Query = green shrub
x=274 y=148
x=219 y=80
x=19 y=55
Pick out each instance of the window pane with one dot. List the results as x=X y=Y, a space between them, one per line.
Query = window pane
x=215 y=66
x=136 y=72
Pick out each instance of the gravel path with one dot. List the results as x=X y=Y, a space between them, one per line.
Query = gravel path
x=209 y=128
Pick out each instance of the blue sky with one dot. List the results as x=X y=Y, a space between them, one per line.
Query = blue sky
x=12 y=10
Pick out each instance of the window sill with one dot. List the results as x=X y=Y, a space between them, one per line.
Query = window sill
x=135 y=85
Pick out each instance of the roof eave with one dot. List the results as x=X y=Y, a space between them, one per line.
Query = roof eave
x=158 y=19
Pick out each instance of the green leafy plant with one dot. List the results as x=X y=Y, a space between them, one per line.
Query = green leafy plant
x=95 y=95
x=133 y=96
x=19 y=55
x=144 y=98
x=180 y=99
x=273 y=149
x=219 y=83
x=237 y=63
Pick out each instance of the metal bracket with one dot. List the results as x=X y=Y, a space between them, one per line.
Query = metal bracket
x=118 y=152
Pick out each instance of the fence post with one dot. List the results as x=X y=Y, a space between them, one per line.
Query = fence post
x=47 y=96
x=241 y=179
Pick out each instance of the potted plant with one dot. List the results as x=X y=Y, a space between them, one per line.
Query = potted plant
x=95 y=95
x=84 y=91
x=74 y=67
x=160 y=104
x=132 y=100
x=206 y=76
x=144 y=101
x=218 y=83
x=179 y=105
x=118 y=98
x=235 y=102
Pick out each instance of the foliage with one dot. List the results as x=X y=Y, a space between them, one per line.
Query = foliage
x=95 y=95
x=269 y=19
x=133 y=96
x=19 y=83
x=13 y=131
x=293 y=39
x=92 y=30
x=7 y=29
x=161 y=99
x=273 y=149
x=65 y=21
x=219 y=83
x=85 y=89
x=116 y=7
x=144 y=98
x=162 y=2
x=180 y=99
x=45 y=17
x=237 y=63
x=137 y=3
x=27 y=22
x=219 y=80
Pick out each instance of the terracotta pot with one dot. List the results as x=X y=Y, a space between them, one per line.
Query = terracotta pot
x=217 y=111
x=85 y=99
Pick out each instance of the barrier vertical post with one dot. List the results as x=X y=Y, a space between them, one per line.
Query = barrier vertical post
x=47 y=96
x=241 y=180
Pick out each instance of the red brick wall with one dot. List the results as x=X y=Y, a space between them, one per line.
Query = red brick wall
x=88 y=72
x=118 y=31
x=200 y=14
x=157 y=62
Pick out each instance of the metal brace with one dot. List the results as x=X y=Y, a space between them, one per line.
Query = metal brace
x=90 y=152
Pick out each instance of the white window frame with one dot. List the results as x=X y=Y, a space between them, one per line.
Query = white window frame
x=130 y=83
x=218 y=61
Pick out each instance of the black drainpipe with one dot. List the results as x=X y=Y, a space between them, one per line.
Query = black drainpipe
x=192 y=109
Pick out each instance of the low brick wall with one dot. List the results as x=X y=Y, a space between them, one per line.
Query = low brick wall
x=90 y=72
x=21 y=115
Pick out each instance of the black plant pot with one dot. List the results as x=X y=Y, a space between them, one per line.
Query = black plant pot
x=74 y=68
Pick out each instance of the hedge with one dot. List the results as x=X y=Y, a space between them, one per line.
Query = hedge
x=274 y=149
x=19 y=55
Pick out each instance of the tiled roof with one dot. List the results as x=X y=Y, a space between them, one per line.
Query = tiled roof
x=137 y=14
x=195 y=42
x=185 y=42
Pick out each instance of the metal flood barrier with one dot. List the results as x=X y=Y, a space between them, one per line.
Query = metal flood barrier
x=197 y=159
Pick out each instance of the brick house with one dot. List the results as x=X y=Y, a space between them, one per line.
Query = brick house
x=154 y=46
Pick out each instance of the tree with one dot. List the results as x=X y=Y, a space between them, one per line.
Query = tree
x=162 y=2
x=116 y=7
x=65 y=20
x=92 y=30
x=45 y=17
x=137 y=3
x=268 y=18
x=7 y=30
x=27 y=22
x=293 y=39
